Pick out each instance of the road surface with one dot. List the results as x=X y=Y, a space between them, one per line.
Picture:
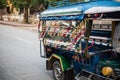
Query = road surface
x=19 y=55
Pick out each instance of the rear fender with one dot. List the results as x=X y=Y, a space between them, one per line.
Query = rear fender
x=65 y=63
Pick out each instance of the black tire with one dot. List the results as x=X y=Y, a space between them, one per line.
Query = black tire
x=57 y=71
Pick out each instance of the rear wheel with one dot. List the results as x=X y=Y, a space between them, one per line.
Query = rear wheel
x=57 y=71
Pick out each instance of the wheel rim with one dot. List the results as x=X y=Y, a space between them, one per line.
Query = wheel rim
x=58 y=72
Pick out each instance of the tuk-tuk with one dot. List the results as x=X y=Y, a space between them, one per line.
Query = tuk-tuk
x=81 y=41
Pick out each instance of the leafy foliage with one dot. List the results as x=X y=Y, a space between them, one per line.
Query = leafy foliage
x=28 y=3
x=53 y=3
x=3 y=3
x=22 y=3
x=43 y=2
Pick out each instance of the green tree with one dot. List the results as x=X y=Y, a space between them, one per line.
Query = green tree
x=26 y=4
x=3 y=4
x=23 y=4
x=43 y=3
x=54 y=3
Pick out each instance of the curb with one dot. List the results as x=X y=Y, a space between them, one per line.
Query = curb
x=32 y=27
x=15 y=24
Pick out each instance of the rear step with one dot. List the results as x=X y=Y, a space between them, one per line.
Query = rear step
x=82 y=78
x=86 y=75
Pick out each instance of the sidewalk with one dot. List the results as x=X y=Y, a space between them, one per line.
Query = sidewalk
x=32 y=27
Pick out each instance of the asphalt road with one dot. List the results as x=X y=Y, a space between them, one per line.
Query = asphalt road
x=19 y=55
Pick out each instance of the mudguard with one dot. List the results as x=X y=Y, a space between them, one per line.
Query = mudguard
x=65 y=63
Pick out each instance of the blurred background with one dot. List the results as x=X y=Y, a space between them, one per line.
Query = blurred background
x=27 y=11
